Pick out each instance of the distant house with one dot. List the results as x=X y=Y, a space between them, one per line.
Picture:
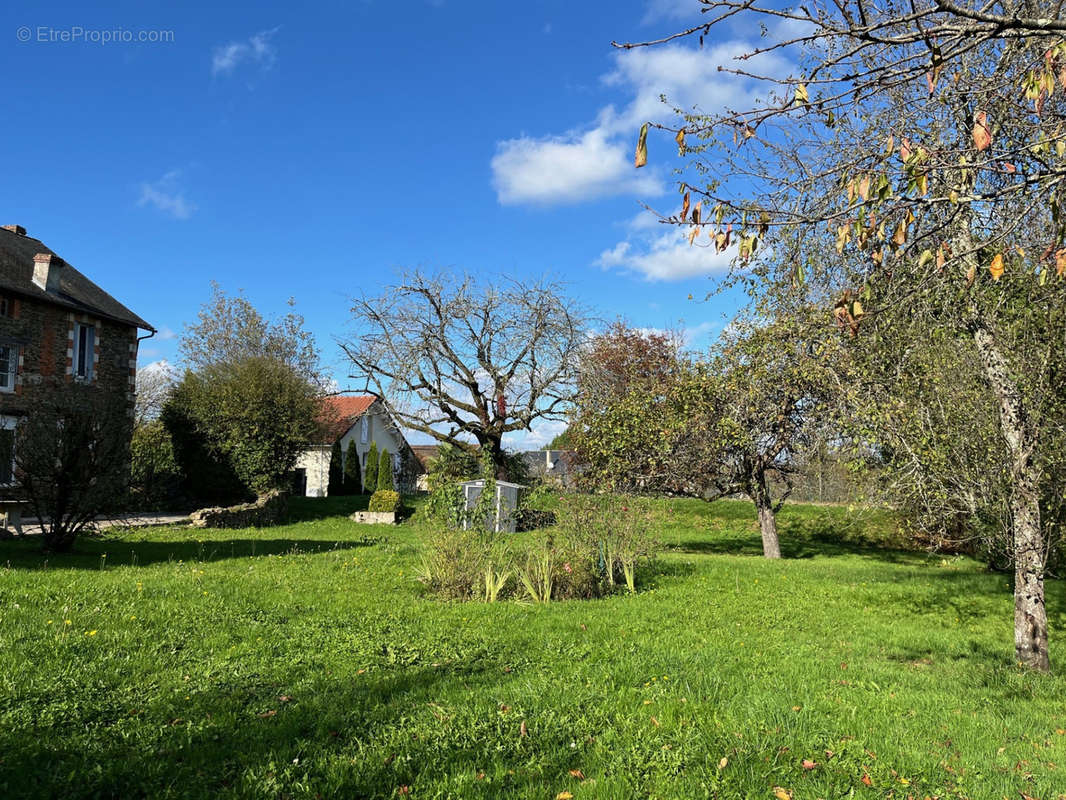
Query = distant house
x=552 y=466
x=366 y=420
x=55 y=323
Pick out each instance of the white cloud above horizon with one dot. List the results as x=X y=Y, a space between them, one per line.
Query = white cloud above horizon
x=664 y=255
x=596 y=160
x=167 y=196
x=257 y=50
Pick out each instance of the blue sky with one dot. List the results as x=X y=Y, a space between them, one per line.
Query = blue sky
x=311 y=150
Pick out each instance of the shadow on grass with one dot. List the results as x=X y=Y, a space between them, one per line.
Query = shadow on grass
x=112 y=551
x=803 y=535
x=332 y=737
x=306 y=509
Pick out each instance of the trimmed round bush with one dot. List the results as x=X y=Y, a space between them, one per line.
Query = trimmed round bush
x=384 y=500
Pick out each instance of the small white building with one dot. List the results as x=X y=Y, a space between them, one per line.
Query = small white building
x=365 y=420
x=506 y=502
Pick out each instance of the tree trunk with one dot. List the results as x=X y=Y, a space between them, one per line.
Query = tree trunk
x=1030 y=613
x=771 y=547
x=494 y=447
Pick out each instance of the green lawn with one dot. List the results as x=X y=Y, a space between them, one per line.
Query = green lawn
x=305 y=661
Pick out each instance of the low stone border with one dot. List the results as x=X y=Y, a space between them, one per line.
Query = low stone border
x=270 y=509
x=374 y=517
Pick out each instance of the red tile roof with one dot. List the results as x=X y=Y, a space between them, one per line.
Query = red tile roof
x=349 y=407
x=340 y=412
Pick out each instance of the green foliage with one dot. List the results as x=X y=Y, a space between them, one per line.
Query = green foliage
x=450 y=465
x=155 y=479
x=254 y=416
x=249 y=401
x=385 y=471
x=385 y=500
x=336 y=471
x=353 y=471
x=564 y=441
x=370 y=479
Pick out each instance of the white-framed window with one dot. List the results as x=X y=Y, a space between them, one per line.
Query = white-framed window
x=84 y=349
x=9 y=364
x=7 y=450
x=364 y=429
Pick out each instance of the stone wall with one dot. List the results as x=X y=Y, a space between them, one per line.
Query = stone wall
x=44 y=335
x=270 y=509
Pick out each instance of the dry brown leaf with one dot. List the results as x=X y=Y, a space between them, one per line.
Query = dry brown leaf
x=996 y=267
x=982 y=135
x=641 y=156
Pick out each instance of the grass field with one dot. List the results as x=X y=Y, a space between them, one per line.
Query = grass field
x=304 y=661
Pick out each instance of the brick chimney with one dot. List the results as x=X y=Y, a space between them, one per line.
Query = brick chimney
x=15 y=229
x=47 y=271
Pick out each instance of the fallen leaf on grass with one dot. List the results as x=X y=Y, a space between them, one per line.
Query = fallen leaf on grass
x=522 y=732
x=866 y=780
x=782 y=794
x=576 y=773
x=655 y=722
x=564 y=796
x=722 y=764
x=284 y=698
x=808 y=764
x=267 y=714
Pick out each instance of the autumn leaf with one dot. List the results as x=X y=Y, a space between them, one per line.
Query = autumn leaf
x=1060 y=262
x=723 y=763
x=522 y=731
x=866 y=780
x=996 y=267
x=692 y=234
x=680 y=139
x=982 y=136
x=782 y=793
x=655 y=722
x=576 y=773
x=267 y=714
x=941 y=258
x=900 y=237
x=696 y=213
x=808 y=764
x=641 y=157
x=864 y=187
x=564 y=796
x=684 y=206
x=971 y=274
x=801 y=94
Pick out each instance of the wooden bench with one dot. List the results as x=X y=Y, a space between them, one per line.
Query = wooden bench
x=11 y=516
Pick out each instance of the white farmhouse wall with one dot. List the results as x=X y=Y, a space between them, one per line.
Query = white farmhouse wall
x=315 y=463
x=380 y=431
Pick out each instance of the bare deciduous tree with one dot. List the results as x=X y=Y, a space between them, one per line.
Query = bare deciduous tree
x=469 y=362
x=72 y=458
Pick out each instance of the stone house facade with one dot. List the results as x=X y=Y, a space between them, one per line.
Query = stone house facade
x=56 y=325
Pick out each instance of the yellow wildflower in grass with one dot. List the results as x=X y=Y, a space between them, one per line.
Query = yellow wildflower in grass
x=90 y=633
x=48 y=623
x=67 y=622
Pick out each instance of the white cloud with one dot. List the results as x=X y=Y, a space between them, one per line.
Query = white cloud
x=666 y=256
x=543 y=432
x=596 y=160
x=166 y=195
x=257 y=50
x=166 y=333
x=566 y=169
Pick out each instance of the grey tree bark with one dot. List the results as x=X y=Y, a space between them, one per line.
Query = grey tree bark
x=1030 y=612
x=771 y=546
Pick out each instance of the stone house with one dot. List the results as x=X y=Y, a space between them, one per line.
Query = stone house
x=364 y=419
x=55 y=323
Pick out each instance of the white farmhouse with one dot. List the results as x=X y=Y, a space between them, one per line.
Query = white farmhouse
x=366 y=420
